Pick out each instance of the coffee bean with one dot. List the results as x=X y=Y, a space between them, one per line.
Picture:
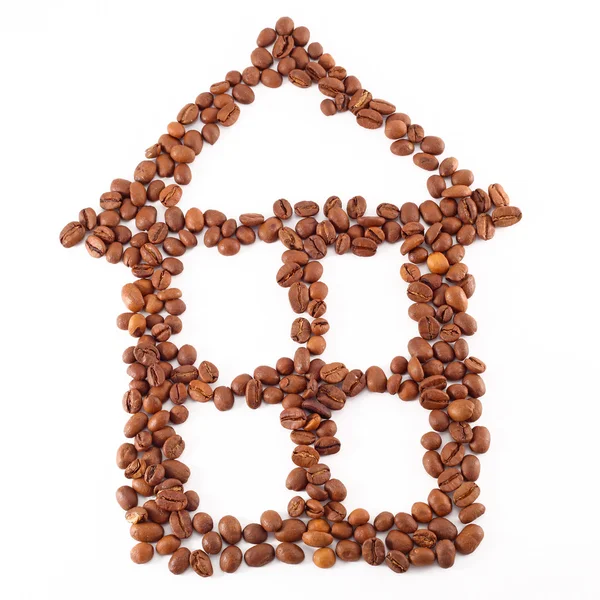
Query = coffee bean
x=497 y=195
x=200 y=563
x=397 y=561
x=230 y=559
x=146 y=532
x=505 y=216
x=419 y=292
x=445 y=552
x=369 y=118
x=373 y=551
x=469 y=539
x=363 y=246
x=472 y=512
x=443 y=528
x=126 y=497
x=202 y=523
x=324 y=558
x=212 y=543
x=424 y=538
x=317 y=539
x=384 y=521
x=402 y=147
x=421 y=557
x=271 y=521
x=376 y=379
x=289 y=553
x=291 y=530
x=142 y=553
x=179 y=562
x=481 y=440
x=181 y=524
x=171 y=500
x=230 y=529
x=72 y=233
x=399 y=540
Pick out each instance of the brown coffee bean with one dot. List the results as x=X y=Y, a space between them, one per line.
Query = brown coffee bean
x=324 y=558
x=212 y=543
x=230 y=559
x=497 y=195
x=369 y=118
x=179 y=562
x=505 y=216
x=419 y=292
x=399 y=540
x=363 y=246
x=289 y=553
x=471 y=513
x=181 y=524
x=373 y=551
x=433 y=463
x=397 y=561
x=230 y=529
x=271 y=521
x=470 y=467
x=469 y=539
x=481 y=440
x=420 y=557
x=200 y=563
x=317 y=539
x=202 y=523
x=443 y=528
x=445 y=552
x=146 y=532
x=72 y=233
x=376 y=379
x=424 y=538
x=142 y=553
x=291 y=530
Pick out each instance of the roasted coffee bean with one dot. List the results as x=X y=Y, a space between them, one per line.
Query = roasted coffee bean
x=324 y=558
x=469 y=539
x=142 y=553
x=450 y=480
x=373 y=551
x=181 y=524
x=348 y=550
x=270 y=521
x=171 y=500
x=146 y=532
x=230 y=529
x=231 y=559
x=421 y=557
x=369 y=118
x=397 y=561
x=442 y=528
x=212 y=543
x=471 y=513
x=399 y=540
x=384 y=521
x=289 y=553
x=445 y=552
x=200 y=563
x=202 y=523
x=179 y=561
x=317 y=539
x=291 y=530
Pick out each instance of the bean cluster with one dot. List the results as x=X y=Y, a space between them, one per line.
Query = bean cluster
x=438 y=371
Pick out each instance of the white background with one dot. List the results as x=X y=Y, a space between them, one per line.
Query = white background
x=510 y=86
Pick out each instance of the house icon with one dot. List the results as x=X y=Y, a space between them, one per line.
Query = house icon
x=438 y=369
